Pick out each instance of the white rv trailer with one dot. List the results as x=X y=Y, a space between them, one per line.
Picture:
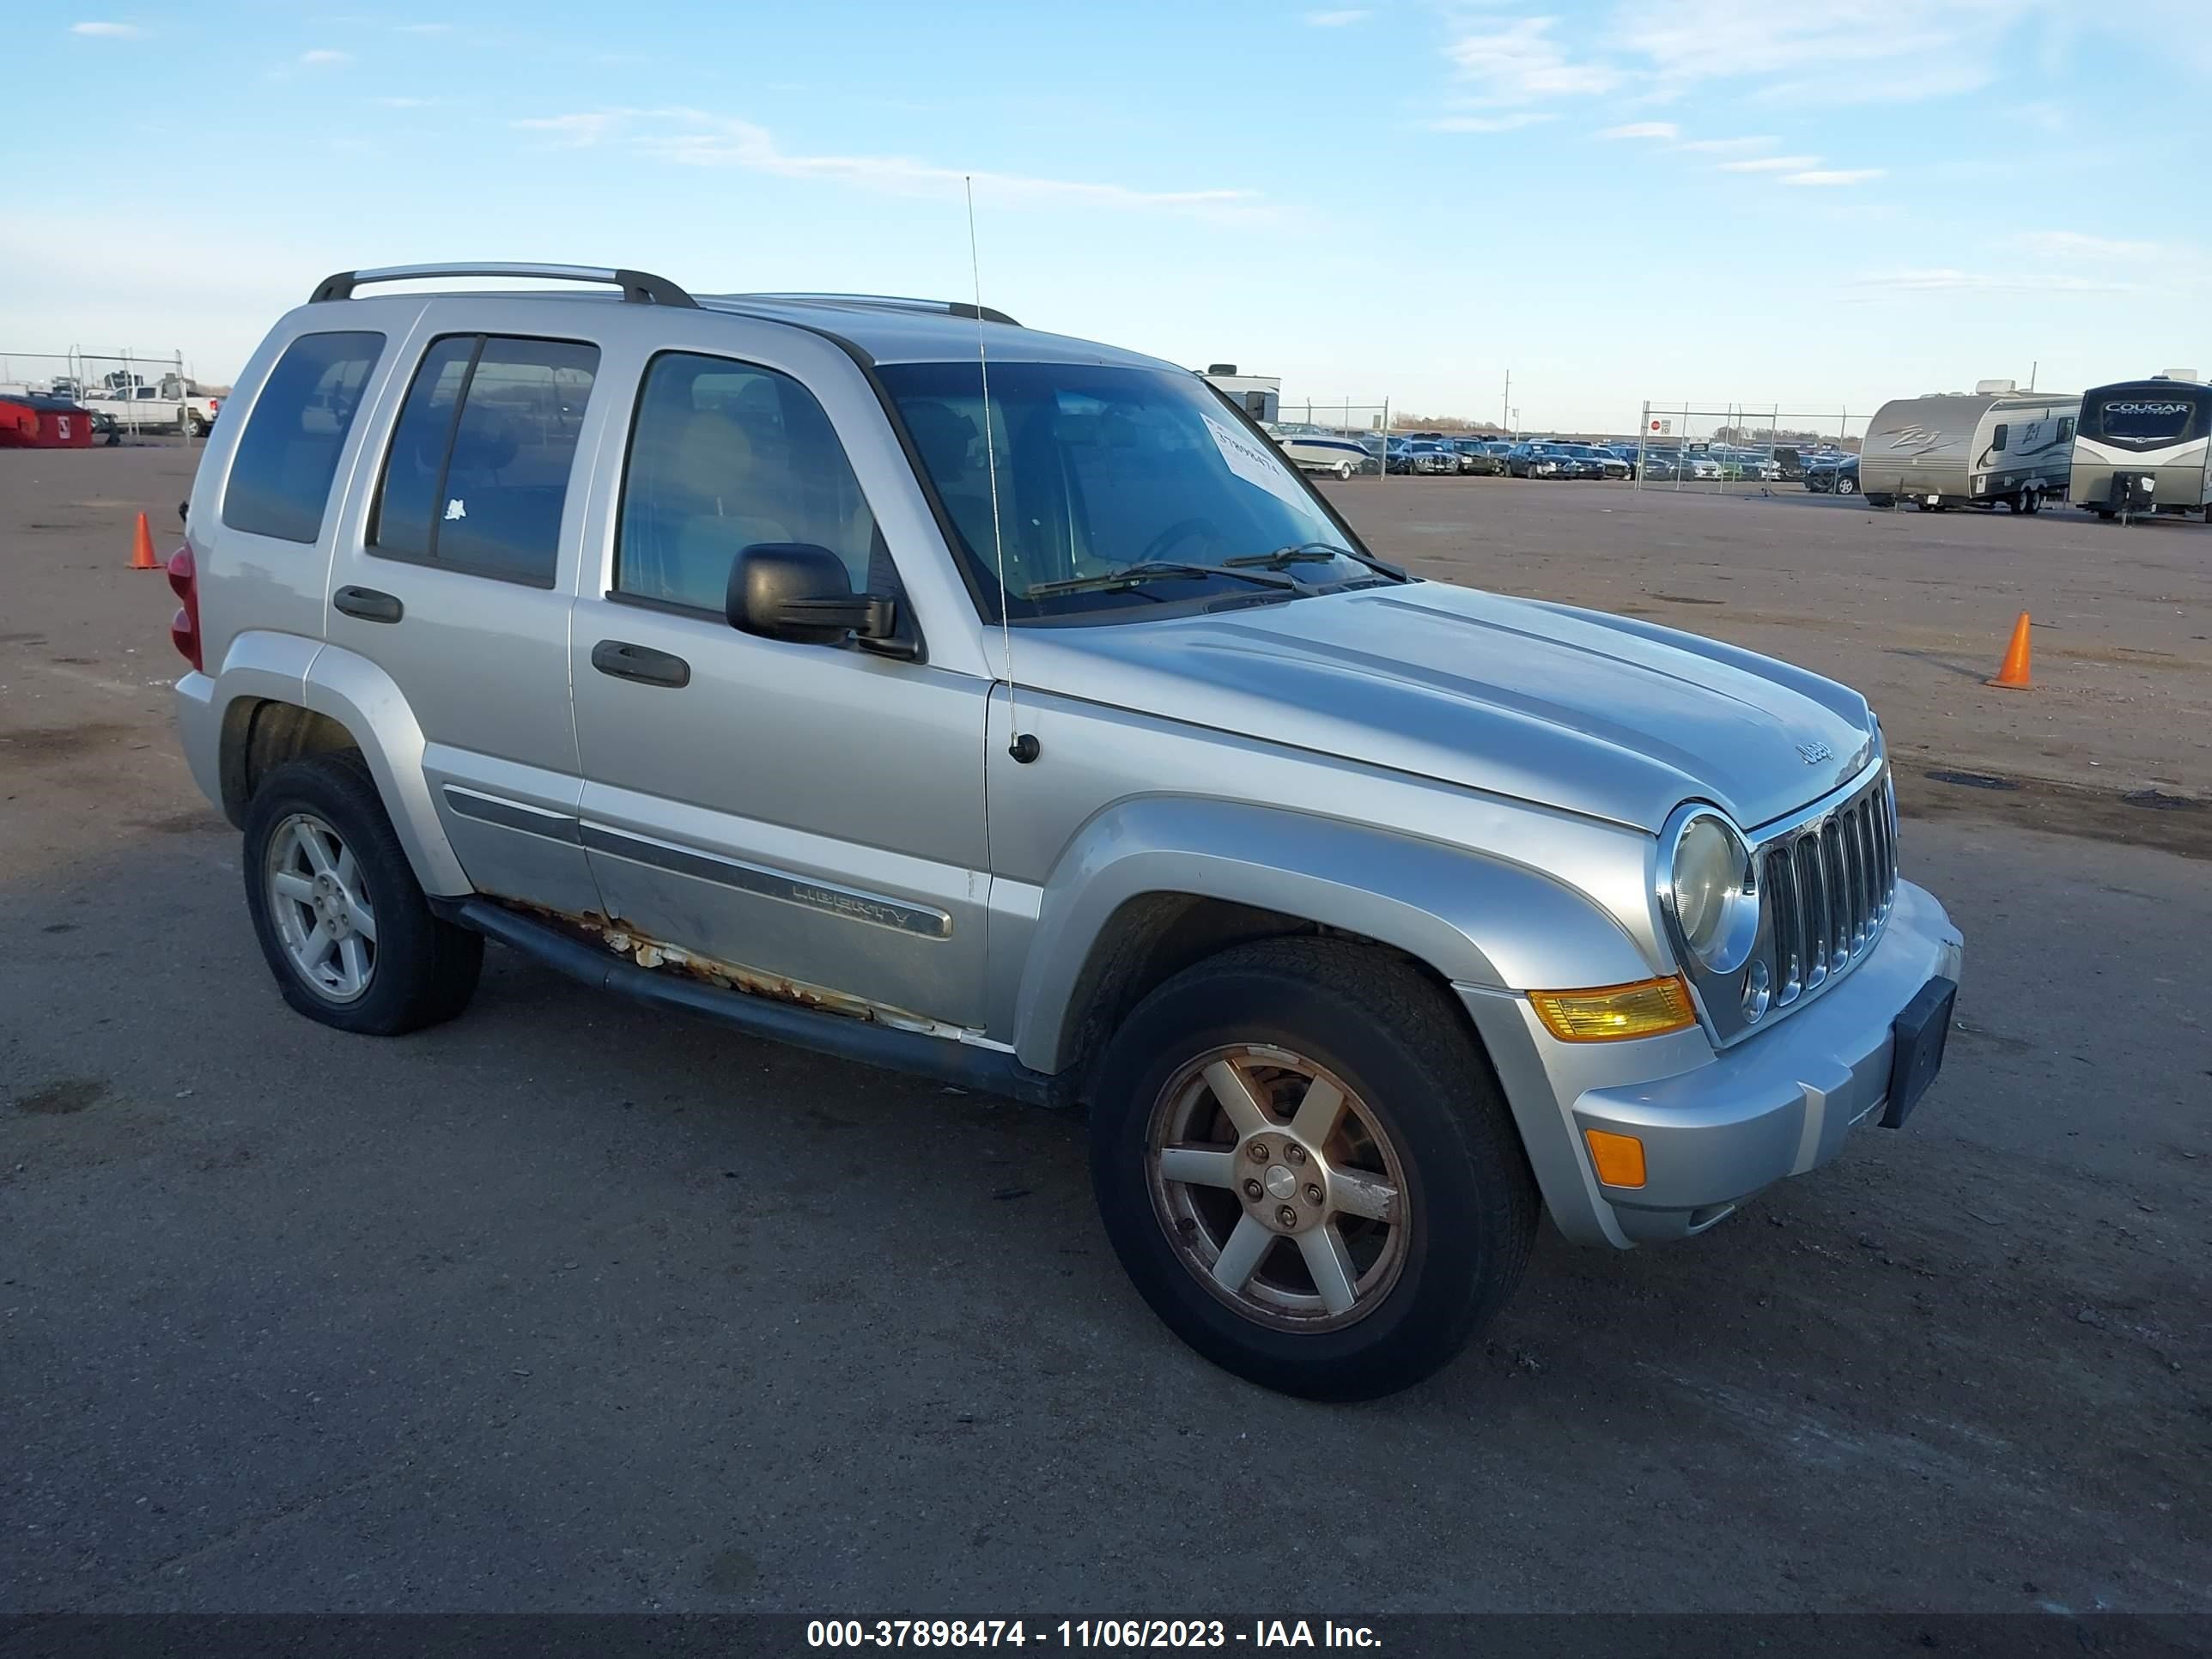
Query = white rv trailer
x=2141 y=446
x=1997 y=444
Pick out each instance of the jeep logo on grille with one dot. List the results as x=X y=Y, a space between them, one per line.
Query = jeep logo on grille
x=1814 y=753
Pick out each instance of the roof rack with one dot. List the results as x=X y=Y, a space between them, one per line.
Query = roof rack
x=891 y=303
x=638 y=287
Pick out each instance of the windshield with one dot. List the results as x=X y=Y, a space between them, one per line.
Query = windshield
x=1101 y=469
x=2140 y=419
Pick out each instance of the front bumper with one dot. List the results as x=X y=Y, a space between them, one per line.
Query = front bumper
x=1717 y=1126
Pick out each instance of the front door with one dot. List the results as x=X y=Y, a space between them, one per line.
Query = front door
x=450 y=580
x=803 y=813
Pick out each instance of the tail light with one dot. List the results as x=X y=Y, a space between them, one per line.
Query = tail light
x=185 y=626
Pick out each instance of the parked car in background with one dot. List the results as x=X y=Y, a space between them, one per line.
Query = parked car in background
x=173 y=405
x=1540 y=458
x=1431 y=455
x=1749 y=468
x=1611 y=936
x=1476 y=456
x=1833 y=475
x=1598 y=462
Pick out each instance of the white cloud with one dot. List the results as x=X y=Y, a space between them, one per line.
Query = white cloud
x=1526 y=117
x=692 y=137
x=109 y=31
x=2073 y=244
x=1664 y=130
x=1725 y=146
x=1337 y=20
x=578 y=131
x=1522 y=62
x=324 y=57
x=1948 y=281
x=1831 y=176
x=1773 y=164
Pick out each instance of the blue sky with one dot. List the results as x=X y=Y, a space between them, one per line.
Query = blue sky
x=1821 y=205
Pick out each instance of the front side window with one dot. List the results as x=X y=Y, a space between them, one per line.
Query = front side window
x=280 y=477
x=1999 y=438
x=724 y=456
x=1097 y=469
x=478 y=469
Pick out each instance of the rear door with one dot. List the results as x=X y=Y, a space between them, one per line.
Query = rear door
x=808 y=813
x=452 y=574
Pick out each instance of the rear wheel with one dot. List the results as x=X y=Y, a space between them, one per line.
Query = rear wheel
x=1307 y=1169
x=1344 y=469
x=340 y=918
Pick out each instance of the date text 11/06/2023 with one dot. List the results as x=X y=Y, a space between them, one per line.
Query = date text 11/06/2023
x=1120 y=1633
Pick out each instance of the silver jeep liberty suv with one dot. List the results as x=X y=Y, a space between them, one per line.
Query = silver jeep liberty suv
x=886 y=678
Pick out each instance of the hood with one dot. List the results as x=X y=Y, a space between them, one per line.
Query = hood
x=1588 y=712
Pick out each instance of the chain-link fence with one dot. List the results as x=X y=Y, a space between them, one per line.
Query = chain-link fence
x=1739 y=447
x=141 y=393
x=1347 y=417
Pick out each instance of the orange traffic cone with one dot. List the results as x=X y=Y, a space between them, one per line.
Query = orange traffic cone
x=142 y=548
x=2012 y=674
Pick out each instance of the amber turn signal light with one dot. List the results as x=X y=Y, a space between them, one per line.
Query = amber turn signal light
x=1610 y=1013
x=1619 y=1159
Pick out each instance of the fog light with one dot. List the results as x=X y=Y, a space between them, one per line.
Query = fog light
x=1612 y=1013
x=1618 y=1159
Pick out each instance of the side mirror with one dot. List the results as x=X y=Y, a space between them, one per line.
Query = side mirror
x=799 y=592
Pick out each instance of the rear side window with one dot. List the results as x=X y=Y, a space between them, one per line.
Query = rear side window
x=478 y=469
x=723 y=456
x=280 y=477
x=2000 y=437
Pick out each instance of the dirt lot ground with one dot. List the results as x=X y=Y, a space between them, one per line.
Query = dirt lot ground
x=568 y=1306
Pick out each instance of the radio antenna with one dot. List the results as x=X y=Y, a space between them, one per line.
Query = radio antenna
x=1023 y=744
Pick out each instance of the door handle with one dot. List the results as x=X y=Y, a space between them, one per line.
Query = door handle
x=368 y=605
x=641 y=663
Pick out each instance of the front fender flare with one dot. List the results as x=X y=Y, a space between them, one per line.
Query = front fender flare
x=1471 y=919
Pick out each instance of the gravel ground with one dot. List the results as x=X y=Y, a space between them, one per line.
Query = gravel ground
x=569 y=1306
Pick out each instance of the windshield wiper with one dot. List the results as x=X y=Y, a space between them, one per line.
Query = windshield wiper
x=1131 y=575
x=1309 y=553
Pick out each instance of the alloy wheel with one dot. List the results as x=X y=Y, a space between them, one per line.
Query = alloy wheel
x=1278 y=1188
x=322 y=907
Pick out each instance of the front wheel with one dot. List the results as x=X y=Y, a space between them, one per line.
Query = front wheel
x=1307 y=1169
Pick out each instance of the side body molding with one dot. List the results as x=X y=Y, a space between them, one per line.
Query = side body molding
x=1472 y=919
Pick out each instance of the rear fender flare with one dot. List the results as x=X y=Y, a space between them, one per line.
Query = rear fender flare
x=348 y=687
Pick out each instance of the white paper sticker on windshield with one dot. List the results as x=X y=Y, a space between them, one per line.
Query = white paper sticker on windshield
x=1250 y=461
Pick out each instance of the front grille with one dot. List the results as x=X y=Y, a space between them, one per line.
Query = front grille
x=1830 y=882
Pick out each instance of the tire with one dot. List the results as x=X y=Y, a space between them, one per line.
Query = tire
x=1344 y=471
x=2104 y=513
x=1419 y=1100
x=415 y=968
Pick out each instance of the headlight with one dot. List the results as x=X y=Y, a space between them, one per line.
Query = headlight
x=1708 y=886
